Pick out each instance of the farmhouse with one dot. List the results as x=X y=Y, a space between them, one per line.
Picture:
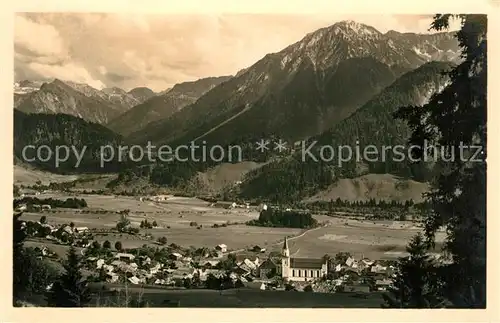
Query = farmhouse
x=249 y=258
x=81 y=229
x=301 y=269
x=268 y=268
x=46 y=207
x=125 y=256
x=175 y=256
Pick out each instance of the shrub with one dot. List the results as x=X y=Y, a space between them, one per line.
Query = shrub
x=96 y=245
x=106 y=244
x=118 y=246
x=308 y=288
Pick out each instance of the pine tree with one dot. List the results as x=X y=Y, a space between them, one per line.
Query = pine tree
x=414 y=283
x=31 y=275
x=71 y=289
x=454 y=118
x=18 y=239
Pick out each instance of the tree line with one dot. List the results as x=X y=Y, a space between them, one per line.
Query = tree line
x=287 y=219
x=71 y=203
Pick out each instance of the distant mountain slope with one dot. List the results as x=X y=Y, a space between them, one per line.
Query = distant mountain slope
x=115 y=96
x=373 y=186
x=163 y=105
x=304 y=89
x=62 y=130
x=121 y=98
x=372 y=124
x=142 y=93
x=26 y=86
x=59 y=97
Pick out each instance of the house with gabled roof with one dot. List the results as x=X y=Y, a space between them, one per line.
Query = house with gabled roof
x=268 y=267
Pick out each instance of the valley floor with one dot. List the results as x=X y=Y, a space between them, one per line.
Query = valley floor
x=175 y=218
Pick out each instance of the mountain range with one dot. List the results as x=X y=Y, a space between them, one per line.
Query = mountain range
x=337 y=84
x=163 y=105
x=304 y=89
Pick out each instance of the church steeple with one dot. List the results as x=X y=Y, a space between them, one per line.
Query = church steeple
x=285 y=251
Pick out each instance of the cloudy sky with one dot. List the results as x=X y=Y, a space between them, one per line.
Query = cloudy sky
x=157 y=51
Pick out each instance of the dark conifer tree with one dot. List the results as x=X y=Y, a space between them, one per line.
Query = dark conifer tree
x=414 y=284
x=70 y=290
x=456 y=118
x=31 y=275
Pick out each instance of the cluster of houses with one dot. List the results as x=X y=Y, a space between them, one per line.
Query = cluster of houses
x=144 y=270
x=252 y=268
x=249 y=269
x=327 y=276
x=32 y=208
x=61 y=234
x=234 y=205
x=155 y=198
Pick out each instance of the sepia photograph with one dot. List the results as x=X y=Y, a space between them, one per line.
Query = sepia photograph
x=246 y=160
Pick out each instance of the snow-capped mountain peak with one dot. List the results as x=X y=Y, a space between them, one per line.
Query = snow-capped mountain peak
x=353 y=27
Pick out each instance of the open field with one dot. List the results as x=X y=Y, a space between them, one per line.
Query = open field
x=379 y=240
x=60 y=250
x=376 y=240
x=28 y=177
x=173 y=218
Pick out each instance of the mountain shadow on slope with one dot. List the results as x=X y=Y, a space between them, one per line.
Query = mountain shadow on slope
x=55 y=130
x=373 y=124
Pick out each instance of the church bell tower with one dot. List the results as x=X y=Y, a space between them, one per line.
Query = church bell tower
x=285 y=260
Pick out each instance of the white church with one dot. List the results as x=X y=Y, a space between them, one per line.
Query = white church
x=301 y=269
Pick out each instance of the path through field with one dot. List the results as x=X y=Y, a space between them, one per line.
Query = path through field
x=289 y=239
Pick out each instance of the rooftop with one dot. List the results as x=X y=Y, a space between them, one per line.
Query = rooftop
x=306 y=263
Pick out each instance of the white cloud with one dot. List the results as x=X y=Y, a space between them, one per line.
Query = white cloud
x=38 y=38
x=129 y=50
x=103 y=70
x=68 y=71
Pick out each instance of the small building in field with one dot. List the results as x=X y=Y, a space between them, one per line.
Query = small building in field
x=81 y=229
x=46 y=207
x=225 y=205
x=221 y=247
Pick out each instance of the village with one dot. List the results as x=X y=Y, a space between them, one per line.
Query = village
x=176 y=267
x=127 y=252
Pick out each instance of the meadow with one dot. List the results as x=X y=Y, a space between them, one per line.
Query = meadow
x=189 y=222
